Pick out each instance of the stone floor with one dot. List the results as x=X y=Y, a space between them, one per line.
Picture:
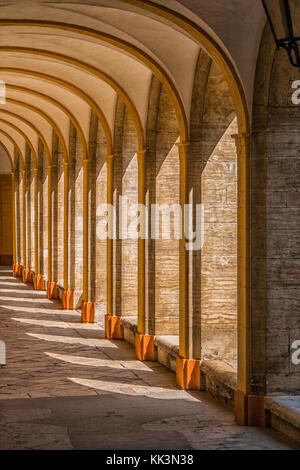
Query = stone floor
x=66 y=387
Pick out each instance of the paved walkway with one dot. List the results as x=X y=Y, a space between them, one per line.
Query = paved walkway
x=66 y=387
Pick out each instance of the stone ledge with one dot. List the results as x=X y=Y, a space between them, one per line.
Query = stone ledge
x=60 y=291
x=129 y=329
x=167 y=348
x=220 y=381
x=219 y=378
x=284 y=414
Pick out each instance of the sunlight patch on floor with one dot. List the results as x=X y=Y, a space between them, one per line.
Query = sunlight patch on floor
x=169 y=393
x=23 y=291
x=25 y=299
x=95 y=362
x=59 y=324
x=33 y=310
x=96 y=343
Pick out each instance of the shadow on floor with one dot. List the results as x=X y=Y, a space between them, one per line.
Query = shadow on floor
x=66 y=387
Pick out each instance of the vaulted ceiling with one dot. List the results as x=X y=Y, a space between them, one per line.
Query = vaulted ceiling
x=60 y=59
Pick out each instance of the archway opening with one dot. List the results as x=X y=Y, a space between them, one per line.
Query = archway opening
x=6 y=227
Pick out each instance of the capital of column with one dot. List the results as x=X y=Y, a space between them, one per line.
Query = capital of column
x=35 y=171
x=183 y=145
x=242 y=141
x=65 y=164
x=183 y=148
x=141 y=153
x=241 y=135
x=85 y=163
x=49 y=171
x=109 y=157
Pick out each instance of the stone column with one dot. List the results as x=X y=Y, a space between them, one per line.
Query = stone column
x=144 y=343
x=16 y=270
x=51 y=285
x=38 y=279
x=18 y=221
x=68 y=295
x=112 y=322
x=187 y=369
x=87 y=307
x=249 y=408
x=26 y=272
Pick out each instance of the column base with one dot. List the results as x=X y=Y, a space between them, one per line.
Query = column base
x=144 y=347
x=26 y=275
x=188 y=375
x=38 y=282
x=88 y=312
x=68 y=300
x=17 y=270
x=52 y=290
x=249 y=410
x=112 y=327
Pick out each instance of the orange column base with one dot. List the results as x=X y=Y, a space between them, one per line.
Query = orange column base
x=188 y=375
x=88 y=312
x=17 y=270
x=38 y=282
x=52 y=290
x=112 y=327
x=26 y=276
x=68 y=300
x=249 y=410
x=144 y=347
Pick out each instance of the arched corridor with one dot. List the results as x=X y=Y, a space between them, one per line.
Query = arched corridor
x=149 y=192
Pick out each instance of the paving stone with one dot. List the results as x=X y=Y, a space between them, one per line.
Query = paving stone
x=66 y=387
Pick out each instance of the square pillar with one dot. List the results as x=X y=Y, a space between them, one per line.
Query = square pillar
x=112 y=327
x=249 y=410
x=26 y=276
x=17 y=270
x=38 y=282
x=188 y=374
x=52 y=290
x=88 y=312
x=144 y=347
x=68 y=300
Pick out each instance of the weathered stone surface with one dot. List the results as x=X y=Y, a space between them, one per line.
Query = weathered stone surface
x=274 y=225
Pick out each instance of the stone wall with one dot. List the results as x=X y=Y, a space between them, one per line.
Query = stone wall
x=97 y=197
x=275 y=160
x=40 y=167
x=129 y=279
x=6 y=246
x=117 y=185
x=21 y=214
x=213 y=182
x=167 y=192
